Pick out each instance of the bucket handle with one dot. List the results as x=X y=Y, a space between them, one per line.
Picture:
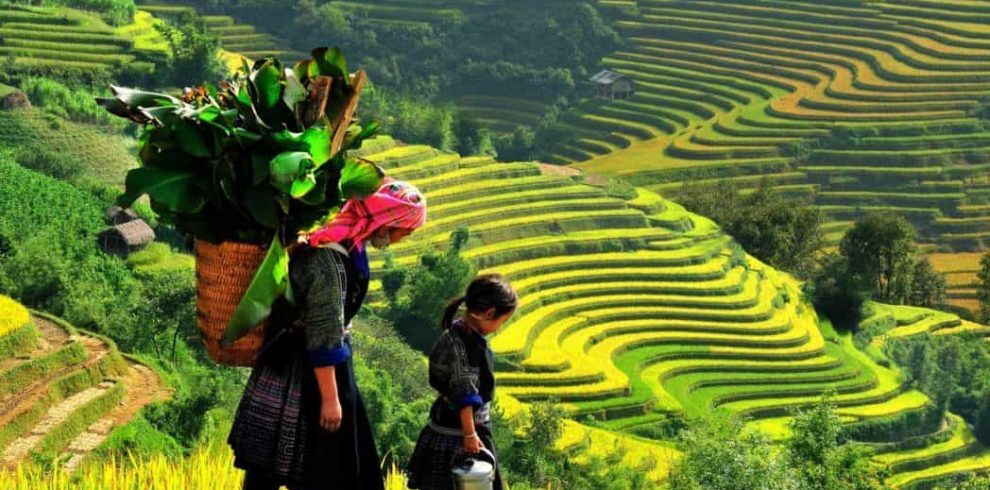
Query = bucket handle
x=461 y=456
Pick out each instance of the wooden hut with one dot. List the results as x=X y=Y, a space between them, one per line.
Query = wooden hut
x=611 y=85
x=126 y=237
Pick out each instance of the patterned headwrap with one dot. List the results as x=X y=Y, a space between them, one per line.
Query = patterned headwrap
x=395 y=204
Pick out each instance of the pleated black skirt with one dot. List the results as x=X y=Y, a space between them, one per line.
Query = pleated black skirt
x=276 y=429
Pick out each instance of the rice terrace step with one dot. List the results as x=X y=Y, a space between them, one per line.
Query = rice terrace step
x=65 y=392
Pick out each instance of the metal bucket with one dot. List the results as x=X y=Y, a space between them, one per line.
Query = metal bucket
x=473 y=471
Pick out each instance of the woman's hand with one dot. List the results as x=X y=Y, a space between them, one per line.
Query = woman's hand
x=472 y=443
x=330 y=411
x=331 y=414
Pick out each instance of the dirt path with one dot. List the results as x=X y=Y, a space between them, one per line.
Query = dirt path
x=143 y=387
x=12 y=406
x=55 y=416
x=558 y=170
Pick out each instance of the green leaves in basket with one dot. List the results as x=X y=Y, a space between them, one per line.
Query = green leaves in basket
x=246 y=157
x=315 y=141
x=360 y=178
x=270 y=99
x=357 y=135
x=325 y=62
x=176 y=190
x=331 y=62
x=190 y=139
x=295 y=92
x=289 y=168
x=267 y=83
x=270 y=281
x=260 y=203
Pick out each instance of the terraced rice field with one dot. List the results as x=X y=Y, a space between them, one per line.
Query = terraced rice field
x=409 y=13
x=63 y=390
x=725 y=89
x=501 y=114
x=636 y=311
x=243 y=39
x=960 y=276
x=45 y=37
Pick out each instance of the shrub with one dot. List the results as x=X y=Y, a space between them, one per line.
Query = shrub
x=719 y=454
x=416 y=306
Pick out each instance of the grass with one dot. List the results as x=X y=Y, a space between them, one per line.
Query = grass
x=96 y=155
x=157 y=257
x=209 y=467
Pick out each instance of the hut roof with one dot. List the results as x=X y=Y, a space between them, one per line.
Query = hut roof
x=114 y=211
x=136 y=232
x=607 y=77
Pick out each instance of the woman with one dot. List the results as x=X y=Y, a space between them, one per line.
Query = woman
x=301 y=421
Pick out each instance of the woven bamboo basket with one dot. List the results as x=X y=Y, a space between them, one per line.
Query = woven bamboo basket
x=223 y=274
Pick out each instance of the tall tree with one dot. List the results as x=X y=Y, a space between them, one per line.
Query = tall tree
x=838 y=291
x=927 y=285
x=784 y=232
x=195 y=50
x=881 y=246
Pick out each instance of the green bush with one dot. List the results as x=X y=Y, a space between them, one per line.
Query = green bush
x=391 y=376
x=526 y=450
x=414 y=119
x=719 y=454
x=954 y=371
x=419 y=294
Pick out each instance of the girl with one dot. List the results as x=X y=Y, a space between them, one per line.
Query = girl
x=461 y=370
x=301 y=421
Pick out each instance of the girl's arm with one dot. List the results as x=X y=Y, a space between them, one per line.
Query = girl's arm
x=330 y=411
x=472 y=443
x=457 y=382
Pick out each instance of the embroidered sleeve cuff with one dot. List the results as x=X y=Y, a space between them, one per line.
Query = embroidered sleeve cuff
x=329 y=356
x=473 y=399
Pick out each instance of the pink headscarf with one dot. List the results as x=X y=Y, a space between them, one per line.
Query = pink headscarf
x=395 y=204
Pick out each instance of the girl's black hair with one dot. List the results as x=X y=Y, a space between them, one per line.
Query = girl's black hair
x=485 y=291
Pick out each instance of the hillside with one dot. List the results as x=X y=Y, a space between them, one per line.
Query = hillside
x=47 y=38
x=856 y=105
x=637 y=311
x=44 y=140
x=64 y=390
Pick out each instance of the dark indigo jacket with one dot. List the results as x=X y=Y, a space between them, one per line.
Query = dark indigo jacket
x=462 y=371
x=329 y=287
